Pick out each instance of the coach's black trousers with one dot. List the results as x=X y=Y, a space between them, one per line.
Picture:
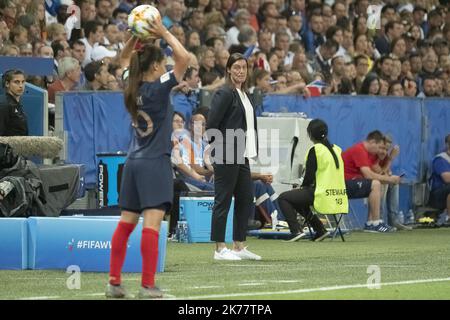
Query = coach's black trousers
x=231 y=180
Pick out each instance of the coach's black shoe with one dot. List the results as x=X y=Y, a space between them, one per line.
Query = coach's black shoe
x=150 y=293
x=117 y=292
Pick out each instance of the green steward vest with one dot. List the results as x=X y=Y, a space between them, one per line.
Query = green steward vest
x=330 y=196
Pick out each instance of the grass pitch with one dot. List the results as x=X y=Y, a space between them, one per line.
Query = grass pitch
x=410 y=265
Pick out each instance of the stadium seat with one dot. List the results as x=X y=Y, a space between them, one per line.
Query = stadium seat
x=337 y=228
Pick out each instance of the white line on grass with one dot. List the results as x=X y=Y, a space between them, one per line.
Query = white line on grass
x=251 y=284
x=41 y=298
x=354 y=286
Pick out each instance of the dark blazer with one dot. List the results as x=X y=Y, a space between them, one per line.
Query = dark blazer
x=228 y=112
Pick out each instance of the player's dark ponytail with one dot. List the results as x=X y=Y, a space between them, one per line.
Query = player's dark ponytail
x=318 y=132
x=141 y=61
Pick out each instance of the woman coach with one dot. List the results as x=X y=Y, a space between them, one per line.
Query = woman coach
x=233 y=118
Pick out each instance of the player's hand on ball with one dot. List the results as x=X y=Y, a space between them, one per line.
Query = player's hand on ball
x=156 y=28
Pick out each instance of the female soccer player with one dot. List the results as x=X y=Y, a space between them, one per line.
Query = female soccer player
x=147 y=184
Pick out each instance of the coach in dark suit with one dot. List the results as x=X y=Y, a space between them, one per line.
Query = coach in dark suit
x=233 y=135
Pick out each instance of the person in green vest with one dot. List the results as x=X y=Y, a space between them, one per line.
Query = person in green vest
x=323 y=185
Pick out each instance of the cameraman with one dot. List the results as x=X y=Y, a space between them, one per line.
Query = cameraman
x=13 y=120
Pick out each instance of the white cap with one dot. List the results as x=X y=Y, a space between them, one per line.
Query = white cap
x=100 y=52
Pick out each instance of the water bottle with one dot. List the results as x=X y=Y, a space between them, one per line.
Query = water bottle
x=401 y=217
x=182 y=235
x=411 y=218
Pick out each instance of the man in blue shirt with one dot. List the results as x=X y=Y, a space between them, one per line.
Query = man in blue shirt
x=440 y=182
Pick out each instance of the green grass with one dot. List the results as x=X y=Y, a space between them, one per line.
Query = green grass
x=287 y=271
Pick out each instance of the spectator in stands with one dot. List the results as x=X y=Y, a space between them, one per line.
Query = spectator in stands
x=398 y=47
x=113 y=37
x=221 y=61
x=384 y=87
x=207 y=61
x=392 y=31
x=429 y=65
x=429 y=87
x=324 y=171
x=315 y=36
x=189 y=158
x=247 y=38
x=362 y=67
x=323 y=54
x=96 y=74
x=69 y=71
x=241 y=18
x=13 y=120
x=87 y=12
x=416 y=65
x=384 y=67
x=440 y=183
x=193 y=40
x=265 y=41
x=409 y=87
x=78 y=50
x=370 y=85
x=61 y=49
x=295 y=23
x=103 y=9
x=282 y=44
x=56 y=31
x=338 y=72
x=174 y=14
x=261 y=81
x=8 y=12
x=196 y=21
x=120 y=15
x=178 y=32
x=361 y=181
x=93 y=32
x=19 y=35
x=26 y=50
x=185 y=96
x=396 y=89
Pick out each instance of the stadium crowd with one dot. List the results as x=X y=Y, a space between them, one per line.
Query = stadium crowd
x=395 y=47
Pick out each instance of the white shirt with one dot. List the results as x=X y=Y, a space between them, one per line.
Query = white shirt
x=250 y=141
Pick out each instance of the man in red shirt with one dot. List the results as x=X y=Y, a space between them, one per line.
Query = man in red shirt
x=361 y=181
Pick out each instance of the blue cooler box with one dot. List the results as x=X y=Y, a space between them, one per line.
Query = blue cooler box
x=109 y=177
x=56 y=243
x=13 y=244
x=197 y=211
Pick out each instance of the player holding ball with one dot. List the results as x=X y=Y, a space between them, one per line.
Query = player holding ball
x=147 y=185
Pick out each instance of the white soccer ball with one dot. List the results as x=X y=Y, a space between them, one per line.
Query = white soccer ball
x=139 y=19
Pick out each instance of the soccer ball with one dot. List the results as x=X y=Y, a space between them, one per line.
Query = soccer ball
x=139 y=18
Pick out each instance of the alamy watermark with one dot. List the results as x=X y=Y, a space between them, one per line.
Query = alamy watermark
x=73 y=282
x=374 y=280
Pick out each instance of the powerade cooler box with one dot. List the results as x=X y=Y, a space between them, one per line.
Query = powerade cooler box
x=196 y=209
x=109 y=177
